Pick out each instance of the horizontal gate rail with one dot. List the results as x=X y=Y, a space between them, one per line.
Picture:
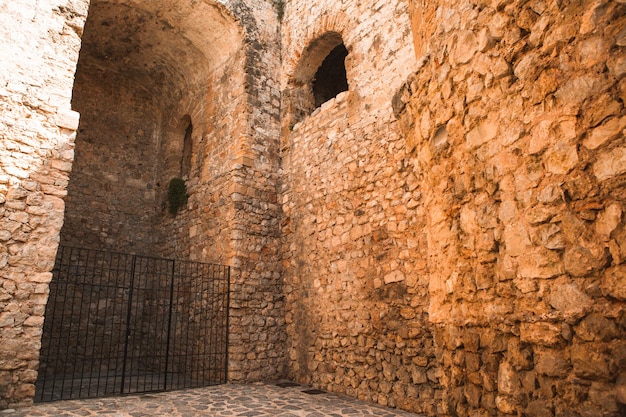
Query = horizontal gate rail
x=120 y=323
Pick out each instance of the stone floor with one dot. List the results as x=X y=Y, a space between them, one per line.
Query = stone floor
x=229 y=400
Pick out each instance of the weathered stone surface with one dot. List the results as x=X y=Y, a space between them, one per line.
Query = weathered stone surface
x=596 y=327
x=610 y=164
x=608 y=220
x=551 y=362
x=39 y=44
x=556 y=224
x=541 y=333
x=561 y=158
x=482 y=133
x=508 y=380
x=569 y=300
x=605 y=132
x=465 y=258
x=68 y=119
x=580 y=261
x=589 y=362
x=506 y=404
x=395 y=276
x=614 y=282
x=620 y=388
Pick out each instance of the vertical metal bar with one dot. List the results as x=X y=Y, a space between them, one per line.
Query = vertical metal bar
x=62 y=321
x=227 y=312
x=120 y=271
x=136 y=325
x=128 y=317
x=194 y=325
x=213 y=331
x=169 y=325
x=71 y=276
x=75 y=301
x=187 y=303
x=50 y=314
x=111 y=292
x=81 y=333
x=134 y=374
x=96 y=288
x=83 y=328
x=205 y=319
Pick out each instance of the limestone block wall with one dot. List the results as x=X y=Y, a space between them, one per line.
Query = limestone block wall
x=111 y=202
x=39 y=43
x=232 y=216
x=515 y=123
x=353 y=228
x=257 y=337
x=201 y=230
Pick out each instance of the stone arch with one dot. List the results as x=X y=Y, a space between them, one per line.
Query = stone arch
x=301 y=93
x=177 y=147
x=337 y=22
x=305 y=90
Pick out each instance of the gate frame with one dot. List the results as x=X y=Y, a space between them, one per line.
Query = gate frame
x=81 y=264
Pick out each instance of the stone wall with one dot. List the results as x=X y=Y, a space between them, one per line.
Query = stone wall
x=39 y=43
x=473 y=266
x=355 y=272
x=232 y=215
x=446 y=237
x=515 y=125
x=257 y=335
x=138 y=99
x=111 y=202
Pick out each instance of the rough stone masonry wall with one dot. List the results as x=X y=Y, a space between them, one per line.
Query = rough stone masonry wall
x=257 y=320
x=202 y=229
x=138 y=98
x=353 y=238
x=111 y=195
x=232 y=214
x=39 y=45
x=515 y=121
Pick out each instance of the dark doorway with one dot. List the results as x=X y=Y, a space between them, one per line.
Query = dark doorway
x=118 y=324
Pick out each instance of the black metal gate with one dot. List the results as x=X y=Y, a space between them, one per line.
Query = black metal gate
x=119 y=324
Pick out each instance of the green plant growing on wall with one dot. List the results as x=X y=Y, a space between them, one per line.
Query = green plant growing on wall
x=176 y=195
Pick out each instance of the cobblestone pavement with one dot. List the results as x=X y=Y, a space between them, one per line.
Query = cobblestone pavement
x=218 y=401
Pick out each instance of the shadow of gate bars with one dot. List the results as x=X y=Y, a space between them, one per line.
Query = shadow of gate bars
x=119 y=323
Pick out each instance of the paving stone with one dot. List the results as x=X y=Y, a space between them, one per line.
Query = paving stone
x=258 y=400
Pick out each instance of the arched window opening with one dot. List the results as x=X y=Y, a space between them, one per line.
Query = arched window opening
x=331 y=78
x=320 y=76
x=185 y=161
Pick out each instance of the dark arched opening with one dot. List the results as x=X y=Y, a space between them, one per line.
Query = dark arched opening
x=331 y=78
x=185 y=161
x=320 y=76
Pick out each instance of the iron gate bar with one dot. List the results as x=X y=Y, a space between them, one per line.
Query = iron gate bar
x=169 y=328
x=132 y=324
x=128 y=318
